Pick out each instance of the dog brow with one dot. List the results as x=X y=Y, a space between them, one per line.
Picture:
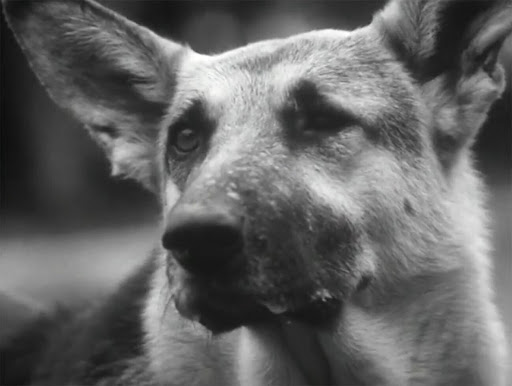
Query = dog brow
x=183 y=108
x=306 y=95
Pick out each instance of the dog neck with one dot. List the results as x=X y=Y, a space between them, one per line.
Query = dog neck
x=282 y=352
x=370 y=344
x=359 y=351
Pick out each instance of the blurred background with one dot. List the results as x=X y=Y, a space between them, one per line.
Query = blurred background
x=68 y=231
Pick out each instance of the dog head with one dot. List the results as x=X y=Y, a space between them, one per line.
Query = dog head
x=291 y=172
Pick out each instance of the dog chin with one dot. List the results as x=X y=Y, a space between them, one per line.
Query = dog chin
x=223 y=313
x=218 y=312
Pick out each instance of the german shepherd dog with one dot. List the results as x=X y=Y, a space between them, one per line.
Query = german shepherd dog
x=322 y=221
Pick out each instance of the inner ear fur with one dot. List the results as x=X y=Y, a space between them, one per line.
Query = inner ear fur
x=450 y=48
x=113 y=75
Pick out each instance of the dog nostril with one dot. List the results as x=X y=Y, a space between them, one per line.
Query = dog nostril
x=203 y=239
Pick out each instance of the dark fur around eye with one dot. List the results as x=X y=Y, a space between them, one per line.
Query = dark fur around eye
x=189 y=132
x=308 y=111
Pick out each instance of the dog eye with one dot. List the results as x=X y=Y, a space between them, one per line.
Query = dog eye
x=326 y=121
x=323 y=123
x=185 y=140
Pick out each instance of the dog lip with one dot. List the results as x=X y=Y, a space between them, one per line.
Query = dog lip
x=218 y=312
x=319 y=311
x=186 y=304
x=320 y=296
x=275 y=309
x=222 y=310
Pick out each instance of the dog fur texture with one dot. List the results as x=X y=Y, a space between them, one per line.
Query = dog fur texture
x=348 y=154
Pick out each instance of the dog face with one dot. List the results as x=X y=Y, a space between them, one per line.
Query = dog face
x=291 y=172
x=294 y=148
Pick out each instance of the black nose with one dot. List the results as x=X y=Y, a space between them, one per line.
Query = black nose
x=204 y=239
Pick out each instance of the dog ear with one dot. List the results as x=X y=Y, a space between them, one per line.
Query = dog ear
x=451 y=48
x=112 y=74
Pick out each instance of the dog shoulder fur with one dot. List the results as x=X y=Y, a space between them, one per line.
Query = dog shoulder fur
x=101 y=344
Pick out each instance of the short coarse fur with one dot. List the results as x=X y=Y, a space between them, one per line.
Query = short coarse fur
x=347 y=155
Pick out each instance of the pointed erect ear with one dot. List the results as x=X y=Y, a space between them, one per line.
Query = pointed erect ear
x=451 y=48
x=113 y=75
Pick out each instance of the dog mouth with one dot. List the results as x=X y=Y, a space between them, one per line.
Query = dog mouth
x=223 y=312
x=218 y=312
x=319 y=311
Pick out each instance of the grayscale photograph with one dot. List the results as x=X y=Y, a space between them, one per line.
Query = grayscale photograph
x=256 y=192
